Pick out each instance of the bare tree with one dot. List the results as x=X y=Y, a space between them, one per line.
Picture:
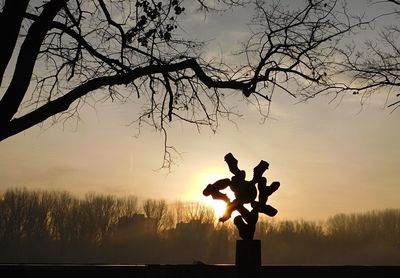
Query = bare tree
x=26 y=214
x=196 y=211
x=64 y=221
x=69 y=53
x=375 y=66
x=15 y=214
x=127 y=206
x=158 y=211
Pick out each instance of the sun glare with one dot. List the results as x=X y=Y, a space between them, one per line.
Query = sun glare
x=218 y=206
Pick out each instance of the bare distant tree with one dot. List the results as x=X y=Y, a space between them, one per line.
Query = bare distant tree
x=59 y=55
x=198 y=212
x=128 y=206
x=17 y=216
x=158 y=211
x=64 y=217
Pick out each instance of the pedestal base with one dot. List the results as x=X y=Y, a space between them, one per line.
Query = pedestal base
x=248 y=253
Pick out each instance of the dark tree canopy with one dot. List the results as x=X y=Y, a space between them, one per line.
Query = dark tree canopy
x=59 y=55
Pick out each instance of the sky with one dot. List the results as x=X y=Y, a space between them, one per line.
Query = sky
x=330 y=157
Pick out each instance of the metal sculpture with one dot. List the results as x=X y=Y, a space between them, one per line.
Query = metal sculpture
x=245 y=192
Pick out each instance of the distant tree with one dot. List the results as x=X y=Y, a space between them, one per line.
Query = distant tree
x=128 y=206
x=379 y=225
x=178 y=207
x=51 y=226
x=188 y=211
x=53 y=215
x=65 y=217
x=196 y=211
x=15 y=214
x=59 y=55
x=158 y=211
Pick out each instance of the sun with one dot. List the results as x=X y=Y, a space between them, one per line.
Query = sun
x=218 y=206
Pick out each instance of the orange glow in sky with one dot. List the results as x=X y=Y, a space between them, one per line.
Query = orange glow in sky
x=331 y=155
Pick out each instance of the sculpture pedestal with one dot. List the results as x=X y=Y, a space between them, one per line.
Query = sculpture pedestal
x=248 y=254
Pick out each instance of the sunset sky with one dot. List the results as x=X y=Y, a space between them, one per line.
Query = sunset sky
x=330 y=157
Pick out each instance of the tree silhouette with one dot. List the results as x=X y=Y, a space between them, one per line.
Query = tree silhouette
x=375 y=67
x=158 y=211
x=63 y=235
x=59 y=55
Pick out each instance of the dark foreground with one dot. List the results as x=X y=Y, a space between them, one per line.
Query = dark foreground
x=193 y=271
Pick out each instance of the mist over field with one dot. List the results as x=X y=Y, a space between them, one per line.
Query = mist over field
x=57 y=227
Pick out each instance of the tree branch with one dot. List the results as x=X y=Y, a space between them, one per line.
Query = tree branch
x=62 y=103
x=16 y=91
x=10 y=21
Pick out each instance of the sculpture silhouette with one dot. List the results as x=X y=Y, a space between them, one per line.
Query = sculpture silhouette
x=245 y=193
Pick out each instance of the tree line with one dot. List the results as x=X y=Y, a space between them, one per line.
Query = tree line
x=57 y=227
